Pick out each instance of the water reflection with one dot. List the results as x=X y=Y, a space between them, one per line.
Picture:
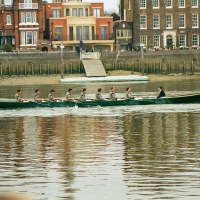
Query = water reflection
x=102 y=153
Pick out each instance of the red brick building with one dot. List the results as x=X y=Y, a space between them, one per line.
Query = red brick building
x=21 y=23
x=73 y=21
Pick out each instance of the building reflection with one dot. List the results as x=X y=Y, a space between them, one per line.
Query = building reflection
x=158 y=147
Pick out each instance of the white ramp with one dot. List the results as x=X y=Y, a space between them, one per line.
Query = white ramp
x=94 y=68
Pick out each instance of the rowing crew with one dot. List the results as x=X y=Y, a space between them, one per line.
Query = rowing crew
x=98 y=95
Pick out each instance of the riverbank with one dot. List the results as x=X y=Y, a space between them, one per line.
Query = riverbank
x=55 y=79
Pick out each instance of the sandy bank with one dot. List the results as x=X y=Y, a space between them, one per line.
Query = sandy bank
x=34 y=80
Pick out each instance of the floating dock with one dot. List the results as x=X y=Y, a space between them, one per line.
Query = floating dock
x=127 y=78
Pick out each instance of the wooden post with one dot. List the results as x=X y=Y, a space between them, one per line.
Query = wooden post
x=56 y=68
x=32 y=69
x=40 y=69
x=25 y=69
x=17 y=69
x=48 y=69
x=71 y=68
x=154 y=67
x=1 y=70
x=142 y=60
x=184 y=67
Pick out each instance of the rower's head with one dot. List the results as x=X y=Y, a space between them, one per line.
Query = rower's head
x=99 y=90
x=160 y=88
x=70 y=90
x=19 y=91
x=37 y=91
x=52 y=91
x=112 y=89
x=128 y=89
x=84 y=90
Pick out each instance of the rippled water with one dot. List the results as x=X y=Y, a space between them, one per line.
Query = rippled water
x=116 y=153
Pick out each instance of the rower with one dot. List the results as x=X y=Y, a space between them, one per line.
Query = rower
x=112 y=94
x=98 y=95
x=161 y=92
x=82 y=95
x=128 y=93
x=51 y=96
x=69 y=94
x=18 y=96
x=36 y=95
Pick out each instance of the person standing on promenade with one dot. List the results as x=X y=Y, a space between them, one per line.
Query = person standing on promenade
x=161 y=92
x=128 y=94
x=18 y=96
x=69 y=95
x=112 y=94
x=82 y=95
x=51 y=96
x=98 y=95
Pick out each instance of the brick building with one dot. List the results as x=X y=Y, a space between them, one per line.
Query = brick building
x=21 y=23
x=72 y=22
x=163 y=23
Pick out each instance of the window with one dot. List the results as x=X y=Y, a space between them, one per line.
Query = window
x=79 y=33
x=143 y=22
x=67 y=12
x=104 y=32
x=195 y=21
x=168 y=3
x=195 y=40
x=181 y=3
x=129 y=5
x=8 y=19
x=143 y=40
x=156 y=41
x=23 y=38
x=27 y=3
x=142 y=4
x=58 y=33
x=156 y=21
x=169 y=22
x=86 y=33
x=195 y=3
x=56 y=13
x=71 y=33
x=28 y=17
x=74 y=12
x=80 y=12
x=181 y=21
x=124 y=33
x=96 y=12
x=23 y=19
x=34 y=17
x=35 y=37
x=7 y=2
x=29 y=37
x=182 y=40
x=155 y=3
x=86 y=12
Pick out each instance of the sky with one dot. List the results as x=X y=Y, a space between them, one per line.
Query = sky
x=109 y=5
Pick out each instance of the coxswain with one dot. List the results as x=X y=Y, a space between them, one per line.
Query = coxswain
x=161 y=92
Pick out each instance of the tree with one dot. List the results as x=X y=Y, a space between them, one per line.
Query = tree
x=7 y=47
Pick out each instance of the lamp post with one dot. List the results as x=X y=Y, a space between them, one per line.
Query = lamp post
x=51 y=33
x=62 y=61
x=142 y=58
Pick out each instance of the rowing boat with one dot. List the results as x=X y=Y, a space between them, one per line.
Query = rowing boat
x=178 y=99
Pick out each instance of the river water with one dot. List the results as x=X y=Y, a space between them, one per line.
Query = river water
x=110 y=153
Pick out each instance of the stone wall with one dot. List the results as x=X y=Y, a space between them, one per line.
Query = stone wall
x=157 y=62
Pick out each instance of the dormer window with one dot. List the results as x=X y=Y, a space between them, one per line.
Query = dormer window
x=27 y=3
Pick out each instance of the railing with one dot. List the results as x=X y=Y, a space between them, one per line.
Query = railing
x=94 y=37
x=28 y=5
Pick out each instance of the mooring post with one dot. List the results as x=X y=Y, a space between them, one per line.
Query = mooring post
x=62 y=61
